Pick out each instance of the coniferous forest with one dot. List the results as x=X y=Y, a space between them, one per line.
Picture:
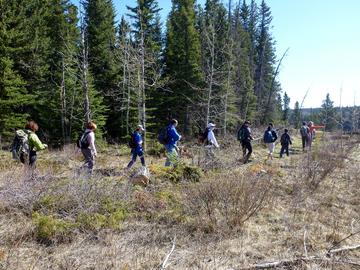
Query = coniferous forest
x=62 y=66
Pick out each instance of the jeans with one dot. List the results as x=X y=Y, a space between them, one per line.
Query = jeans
x=304 y=141
x=136 y=152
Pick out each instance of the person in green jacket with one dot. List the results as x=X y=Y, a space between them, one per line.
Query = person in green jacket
x=34 y=144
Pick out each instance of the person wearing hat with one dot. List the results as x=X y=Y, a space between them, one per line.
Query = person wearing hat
x=245 y=138
x=211 y=141
x=172 y=156
x=136 y=146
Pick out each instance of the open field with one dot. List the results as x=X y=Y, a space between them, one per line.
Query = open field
x=300 y=212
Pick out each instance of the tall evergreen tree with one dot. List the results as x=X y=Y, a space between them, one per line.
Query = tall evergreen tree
x=183 y=63
x=100 y=36
x=14 y=97
x=328 y=114
x=296 y=115
x=286 y=108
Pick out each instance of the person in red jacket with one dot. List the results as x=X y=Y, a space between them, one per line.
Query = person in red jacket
x=311 y=134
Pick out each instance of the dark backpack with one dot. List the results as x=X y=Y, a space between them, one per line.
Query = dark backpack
x=241 y=134
x=132 y=141
x=268 y=137
x=303 y=131
x=82 y=141
x=163 y=136
x=203 y=136
x=20 y=145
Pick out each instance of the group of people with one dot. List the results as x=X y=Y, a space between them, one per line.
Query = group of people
x=171 y=137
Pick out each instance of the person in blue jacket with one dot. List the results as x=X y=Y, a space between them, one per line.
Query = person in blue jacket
x=171 y=146
x=136 y=148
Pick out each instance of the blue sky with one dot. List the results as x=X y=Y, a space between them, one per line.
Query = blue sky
x=323 y=38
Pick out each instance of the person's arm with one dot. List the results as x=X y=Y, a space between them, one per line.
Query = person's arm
x=289 y=139
x=174 y=134
x=138 y=139
x=91 y=138
x=36 y=143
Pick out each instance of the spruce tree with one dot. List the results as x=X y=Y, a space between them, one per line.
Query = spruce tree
x=183 y=64
x=286 y=108
x=100 y=36
x=328 y=114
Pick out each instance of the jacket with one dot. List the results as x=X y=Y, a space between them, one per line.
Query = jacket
x=173 y=137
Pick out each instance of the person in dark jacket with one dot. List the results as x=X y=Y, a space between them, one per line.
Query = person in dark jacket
x=137 y=150
x=245 y=138
x=285 y=141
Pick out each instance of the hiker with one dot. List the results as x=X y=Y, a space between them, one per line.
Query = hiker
x=31 y=144
x=304 y=131
x=244 y=136
x=285 y=141
x=311 y=133
x=210 y=141
x=270 y=136
x=171 y=143
x=136 y=146
x=87 y=145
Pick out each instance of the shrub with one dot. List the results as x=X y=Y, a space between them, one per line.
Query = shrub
x=49 y=229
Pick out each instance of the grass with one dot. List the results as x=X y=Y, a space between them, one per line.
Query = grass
x=224 y=216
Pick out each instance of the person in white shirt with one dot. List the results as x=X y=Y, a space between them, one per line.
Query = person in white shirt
x=88 y=148
x=211 y=141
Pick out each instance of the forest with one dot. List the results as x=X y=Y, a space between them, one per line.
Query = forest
x=63 y=66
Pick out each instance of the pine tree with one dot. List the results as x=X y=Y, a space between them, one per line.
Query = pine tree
x=296 y=115
x=14 y=97
x=100 y=36
x=183 y=63
x=328 y=114
x=286 y=108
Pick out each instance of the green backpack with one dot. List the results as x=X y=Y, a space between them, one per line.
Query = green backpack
x=20 y=145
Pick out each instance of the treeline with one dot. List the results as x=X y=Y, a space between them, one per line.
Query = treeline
x=62 y=66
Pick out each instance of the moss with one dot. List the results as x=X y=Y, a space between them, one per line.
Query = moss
x=50 y=228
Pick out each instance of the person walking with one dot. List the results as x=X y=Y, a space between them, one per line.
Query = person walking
x=34 y=145
x=304 y=131
x=87 y=145
x=285 y=141
x=136 y=146
x=245 y=138
x=211 y=142
x=172 y=156
x=270 y=136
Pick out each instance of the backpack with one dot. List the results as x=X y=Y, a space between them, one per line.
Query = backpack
x=268 y=137
x=163 y=136
x=303 y=131
x=82 y=141
x=132 y=142
x=203 y=136
x=241 y=134
x=20 y=145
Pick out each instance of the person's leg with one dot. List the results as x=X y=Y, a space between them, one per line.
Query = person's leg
x=133 y=158
x=282 y=150
x=142 y=158
x=32 y=158
x=303 y=140
x=89 y=159
x=287 y=150
x=243 y=146
x=249 y=148
x=168 y=156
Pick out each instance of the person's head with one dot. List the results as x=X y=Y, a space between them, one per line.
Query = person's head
x=304 y=123
x=247 y=123
x=286 y=130
x=140 y=128
x=268 y=128
x=32 y=125
x=174 y=122
x=271 y=125
x=91 y=125
x=211 y=126
x=311 y=123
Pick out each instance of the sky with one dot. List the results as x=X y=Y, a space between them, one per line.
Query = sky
x=323 y=39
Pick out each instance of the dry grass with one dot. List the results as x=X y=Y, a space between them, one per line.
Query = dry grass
x=228 y=217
